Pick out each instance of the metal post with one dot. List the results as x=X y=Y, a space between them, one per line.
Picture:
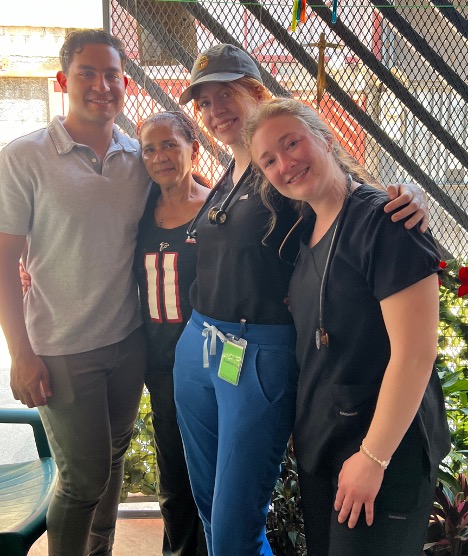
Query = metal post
x=106 y=16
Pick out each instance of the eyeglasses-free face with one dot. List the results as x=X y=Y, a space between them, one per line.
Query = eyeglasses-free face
x=297 y=164
x=167 y=154
x=223 y=111
x=95 y=84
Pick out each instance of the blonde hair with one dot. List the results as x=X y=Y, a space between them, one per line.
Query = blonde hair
x=318 y=128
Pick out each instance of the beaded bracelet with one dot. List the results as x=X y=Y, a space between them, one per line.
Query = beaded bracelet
x=382 y=462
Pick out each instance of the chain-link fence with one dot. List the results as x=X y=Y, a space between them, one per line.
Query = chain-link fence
x=396 y=80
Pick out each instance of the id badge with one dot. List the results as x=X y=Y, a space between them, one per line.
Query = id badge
x=231 y=359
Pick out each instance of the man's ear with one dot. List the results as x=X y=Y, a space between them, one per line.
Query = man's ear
x=62 y=80
x=125 y=81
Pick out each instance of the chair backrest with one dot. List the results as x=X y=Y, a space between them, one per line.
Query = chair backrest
x=26 y=489
x=31 y=417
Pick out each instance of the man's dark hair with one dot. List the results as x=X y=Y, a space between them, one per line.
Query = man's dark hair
x=77 y=40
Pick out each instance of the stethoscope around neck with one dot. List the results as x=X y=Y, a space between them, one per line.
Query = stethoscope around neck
x=217 y=215
x=321 y=335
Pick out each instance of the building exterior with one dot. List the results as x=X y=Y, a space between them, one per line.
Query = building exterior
x=31 y=35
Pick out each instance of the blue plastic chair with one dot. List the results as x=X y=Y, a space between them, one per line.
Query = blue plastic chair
x=25 y=489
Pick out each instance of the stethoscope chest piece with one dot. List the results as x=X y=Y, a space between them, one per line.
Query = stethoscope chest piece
x=217 y=215
x=321 y=338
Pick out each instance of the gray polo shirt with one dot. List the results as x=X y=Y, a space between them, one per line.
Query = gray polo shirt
x=81 y=221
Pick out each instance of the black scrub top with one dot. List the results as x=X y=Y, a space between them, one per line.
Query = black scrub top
x=338 y=385
x=239 y=273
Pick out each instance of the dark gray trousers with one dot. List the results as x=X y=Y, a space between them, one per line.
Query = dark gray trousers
x=402 y=506
x=89 y=422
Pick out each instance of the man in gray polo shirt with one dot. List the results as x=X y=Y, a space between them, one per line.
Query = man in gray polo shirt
x=74 y=193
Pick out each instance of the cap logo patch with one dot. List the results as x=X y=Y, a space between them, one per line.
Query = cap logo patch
x=202 y=63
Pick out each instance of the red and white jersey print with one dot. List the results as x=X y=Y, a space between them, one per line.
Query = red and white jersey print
x=162 y=282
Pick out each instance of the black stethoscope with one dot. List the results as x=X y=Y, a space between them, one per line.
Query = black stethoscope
x=216 y=215
x=321 y=335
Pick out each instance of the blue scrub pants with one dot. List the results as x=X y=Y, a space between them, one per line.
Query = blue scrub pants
x=235 y=436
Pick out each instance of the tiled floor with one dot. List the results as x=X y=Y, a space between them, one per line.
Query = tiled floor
x=133 y=537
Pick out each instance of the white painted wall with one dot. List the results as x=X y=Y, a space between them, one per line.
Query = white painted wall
x=31 y=34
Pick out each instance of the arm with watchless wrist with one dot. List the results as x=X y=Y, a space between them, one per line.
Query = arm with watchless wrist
x=29 y=376
x=411 y=318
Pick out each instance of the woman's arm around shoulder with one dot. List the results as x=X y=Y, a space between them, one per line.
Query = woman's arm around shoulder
x=412 y=203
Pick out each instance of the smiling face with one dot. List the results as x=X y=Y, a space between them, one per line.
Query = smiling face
x=223 y=111
x=167 y=154
x=296 y=163
x=95 y=84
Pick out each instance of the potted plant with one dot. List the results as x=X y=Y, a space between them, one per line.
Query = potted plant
x=448 y=528
x=285 y=524
x=452 y=364
x=140 y=468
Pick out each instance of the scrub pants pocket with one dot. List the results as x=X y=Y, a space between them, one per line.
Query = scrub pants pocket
x=276 y=371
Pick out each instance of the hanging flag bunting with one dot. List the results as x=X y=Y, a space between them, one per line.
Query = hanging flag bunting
x=294 y=16
x=298 y=13
x=303 y=11
x=334 y=9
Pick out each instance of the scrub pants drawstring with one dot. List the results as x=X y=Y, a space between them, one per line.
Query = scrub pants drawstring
x=210 y=333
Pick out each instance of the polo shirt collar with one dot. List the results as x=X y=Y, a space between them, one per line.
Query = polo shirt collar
x=64 y=143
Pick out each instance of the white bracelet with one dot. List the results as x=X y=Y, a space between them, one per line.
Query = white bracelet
x=382 y=462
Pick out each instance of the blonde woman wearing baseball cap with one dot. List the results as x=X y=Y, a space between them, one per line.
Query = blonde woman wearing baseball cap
x=235 y=374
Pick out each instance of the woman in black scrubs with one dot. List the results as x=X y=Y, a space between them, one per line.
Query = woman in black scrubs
x=370 y=426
